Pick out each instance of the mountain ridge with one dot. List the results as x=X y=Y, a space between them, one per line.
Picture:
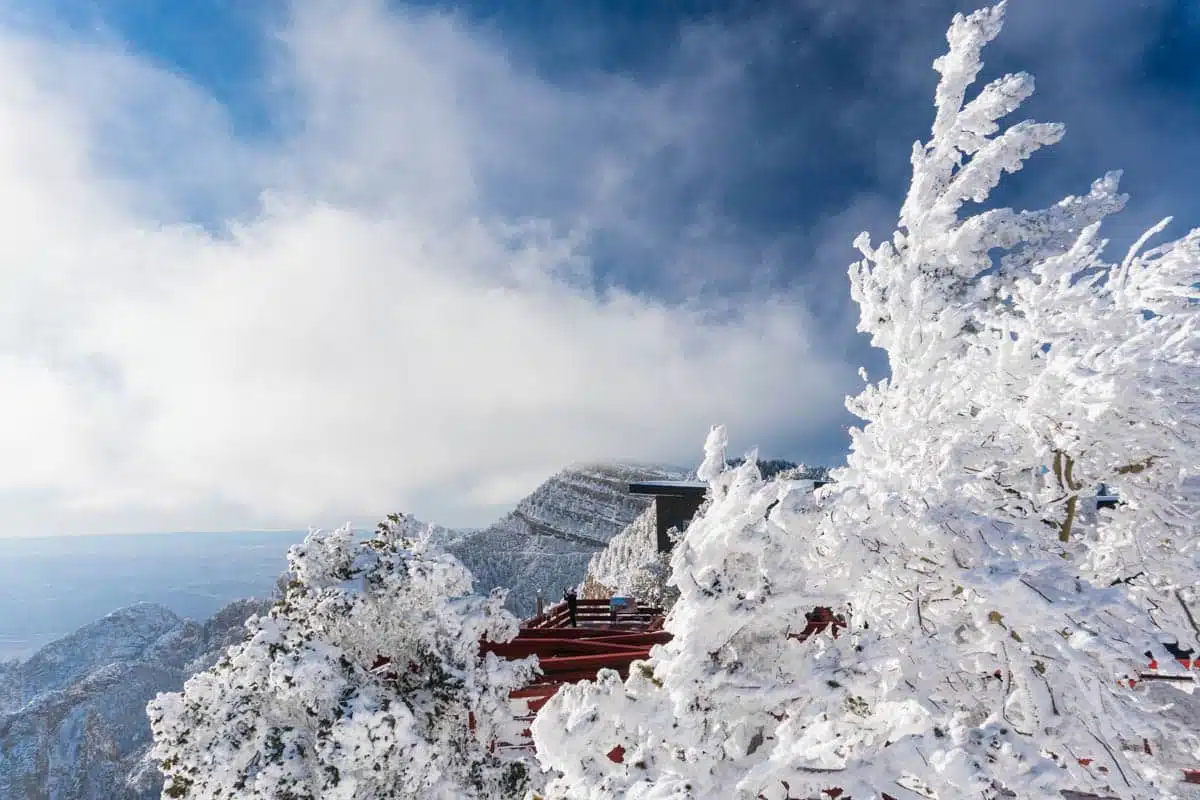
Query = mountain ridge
x=73 y=724
x=545 y=543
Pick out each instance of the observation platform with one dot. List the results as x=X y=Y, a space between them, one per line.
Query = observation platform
x=606 y=635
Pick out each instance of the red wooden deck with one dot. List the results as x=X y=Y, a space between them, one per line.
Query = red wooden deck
x=566 y=654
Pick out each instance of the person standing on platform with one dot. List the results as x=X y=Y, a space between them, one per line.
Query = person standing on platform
x=572 y=599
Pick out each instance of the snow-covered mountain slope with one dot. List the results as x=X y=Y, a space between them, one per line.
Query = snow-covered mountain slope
x=124 y=635
x=613 y=567
x=546 y=542
x=73 y=720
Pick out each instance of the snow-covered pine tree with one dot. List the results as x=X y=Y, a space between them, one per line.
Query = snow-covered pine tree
x=1081 y=371
x=364 y=682
x=987 y=625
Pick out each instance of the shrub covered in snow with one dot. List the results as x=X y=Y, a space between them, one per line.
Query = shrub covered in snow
x=365 y=681
x=985 y=627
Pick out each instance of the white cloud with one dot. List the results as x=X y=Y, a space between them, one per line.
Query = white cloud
x=408 y=316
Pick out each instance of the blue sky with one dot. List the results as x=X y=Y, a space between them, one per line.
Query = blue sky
x=274 y=265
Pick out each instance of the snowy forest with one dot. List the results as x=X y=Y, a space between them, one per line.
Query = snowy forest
x=991 y=620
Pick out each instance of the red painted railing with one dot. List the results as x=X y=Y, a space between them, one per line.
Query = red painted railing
x=566 y=654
